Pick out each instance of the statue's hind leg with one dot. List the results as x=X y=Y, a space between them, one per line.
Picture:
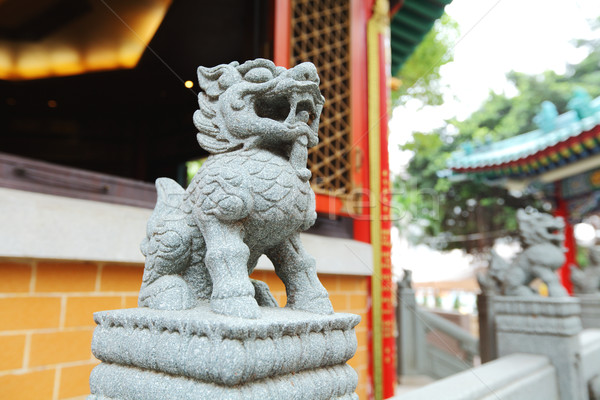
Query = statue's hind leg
x=297 y=269
x=227 y=262
x=262 y=294
x=515 y=283
x=550 y=278
x=163 y=287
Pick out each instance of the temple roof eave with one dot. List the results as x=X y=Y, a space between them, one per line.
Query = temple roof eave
x=534 y=152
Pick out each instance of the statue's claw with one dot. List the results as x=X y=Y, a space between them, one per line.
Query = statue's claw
x=263 y=295
x=319 y=305
x=169 y=292
x=242 y=306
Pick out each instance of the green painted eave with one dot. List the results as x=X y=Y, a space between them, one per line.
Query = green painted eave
x=409 y=25
x=491 y=155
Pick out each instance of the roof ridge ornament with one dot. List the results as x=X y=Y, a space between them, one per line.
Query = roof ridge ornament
x=581 y=103
x=546 y=118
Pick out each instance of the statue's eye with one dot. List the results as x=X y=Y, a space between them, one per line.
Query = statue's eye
x=258 y=75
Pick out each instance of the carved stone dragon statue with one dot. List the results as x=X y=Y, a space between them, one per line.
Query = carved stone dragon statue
x=251 y=197
x=541 y=238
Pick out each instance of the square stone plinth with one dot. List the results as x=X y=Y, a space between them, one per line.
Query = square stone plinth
x=546 y=326
x=196 y=353
x=590 y=310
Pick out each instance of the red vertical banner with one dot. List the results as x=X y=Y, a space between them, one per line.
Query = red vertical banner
x=570 y=244
x=387 y=312
x=388 y=326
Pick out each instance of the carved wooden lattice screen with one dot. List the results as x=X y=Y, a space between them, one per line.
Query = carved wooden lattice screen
x=321 y=34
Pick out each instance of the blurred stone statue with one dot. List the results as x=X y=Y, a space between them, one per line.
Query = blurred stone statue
x=588 y=281
x=541 y=239
x=406 y=281
x=490 y=280
x=251 y=197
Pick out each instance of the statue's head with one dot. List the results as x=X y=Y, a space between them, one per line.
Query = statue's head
x=257 y=104
x=536 y=228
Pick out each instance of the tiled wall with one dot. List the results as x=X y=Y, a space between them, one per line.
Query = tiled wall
x=349 y=294
x=46 y=321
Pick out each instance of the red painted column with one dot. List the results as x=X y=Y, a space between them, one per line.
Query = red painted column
x=281 y=37
x=570 y=245
x=359 y=15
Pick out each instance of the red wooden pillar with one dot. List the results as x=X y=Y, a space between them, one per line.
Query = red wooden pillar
x=570 y=245
x=281 y=36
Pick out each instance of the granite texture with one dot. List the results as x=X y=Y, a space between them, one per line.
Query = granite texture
x=545 y=326
x=587 y=281
x=118 y=382
x=204 y=329
x=198 y=354
x=538 y=316
x=590 y=310
x=251 y=197
x=225 y=350
x=541 y=239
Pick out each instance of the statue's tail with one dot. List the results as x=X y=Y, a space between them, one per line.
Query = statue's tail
x=165 y=241
x=497 y=263
x=492 y=280
x=169 y=196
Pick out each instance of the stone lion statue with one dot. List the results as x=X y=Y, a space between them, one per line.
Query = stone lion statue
x=251 y=197
x=588 y=280
x=541 y=239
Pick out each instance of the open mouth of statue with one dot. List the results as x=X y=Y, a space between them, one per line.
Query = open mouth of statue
x=297 y=113
x=555 y=234
x=295 y=109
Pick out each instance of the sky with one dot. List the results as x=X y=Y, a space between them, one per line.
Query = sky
x=496 y=36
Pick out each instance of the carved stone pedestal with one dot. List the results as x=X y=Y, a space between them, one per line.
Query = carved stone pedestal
x=546 y=326
x=197 y=354
x=590 y=310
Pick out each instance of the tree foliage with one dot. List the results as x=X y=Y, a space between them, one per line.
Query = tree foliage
x=445 y=212
x=420 y=75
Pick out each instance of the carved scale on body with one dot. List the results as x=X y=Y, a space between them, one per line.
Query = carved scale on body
x=251 y=197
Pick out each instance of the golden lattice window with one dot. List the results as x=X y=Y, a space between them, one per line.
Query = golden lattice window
x=321 y=34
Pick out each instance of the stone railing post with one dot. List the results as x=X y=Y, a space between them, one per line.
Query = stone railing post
x=487 y=328
x=409 y=342
x=546 y=326
x=590 y=310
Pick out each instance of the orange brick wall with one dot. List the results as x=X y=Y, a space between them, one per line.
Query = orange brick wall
x=348 y=294
x=46 y=322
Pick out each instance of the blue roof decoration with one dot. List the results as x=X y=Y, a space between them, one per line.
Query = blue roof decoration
x=559 y=139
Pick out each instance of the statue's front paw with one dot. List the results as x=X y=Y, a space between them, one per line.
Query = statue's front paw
x=318 y=305
x=263 y=295
x=520 y=291
x=240 y=306
x=557 y=290
x=169 y=292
